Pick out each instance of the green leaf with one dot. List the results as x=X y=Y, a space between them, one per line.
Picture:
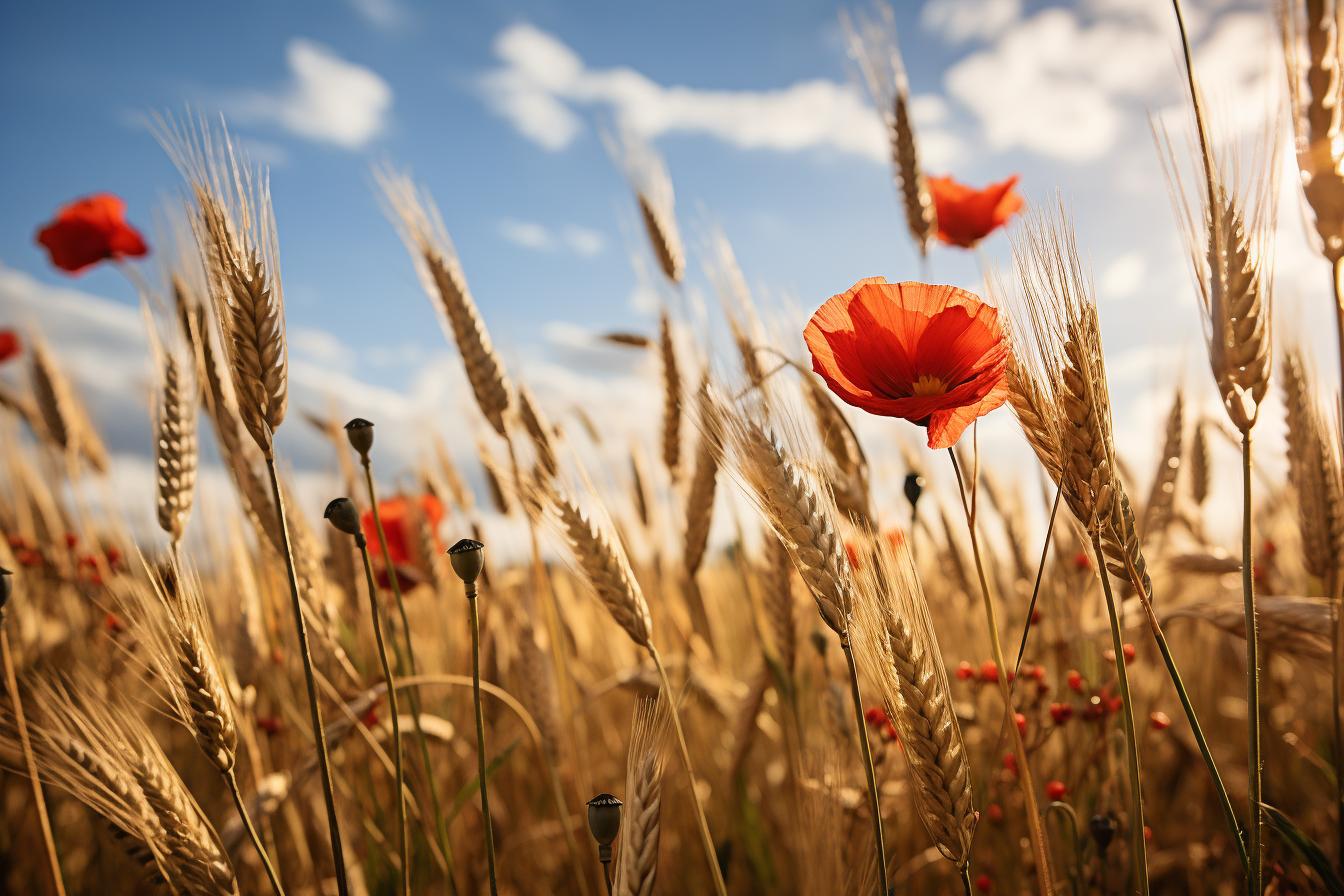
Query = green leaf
x=471 y=787
x=1306 y=849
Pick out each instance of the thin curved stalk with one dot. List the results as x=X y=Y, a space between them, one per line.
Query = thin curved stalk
x=39 y=800
x=1339 y=317
x=314 y=708
x=1139 y=854
x=1231 y=816
x=1076 y=869
x=867 y=751
x=706 y=840
x=363 y=544
x=1035 y=591
x=1256 y=851
x=413 y=695
x=480 y=734
x=1034 y=826
x=252 y=832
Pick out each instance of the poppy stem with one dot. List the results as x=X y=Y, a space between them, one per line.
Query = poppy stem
x=363 y=544
x=413 y=695
x=252 y=832
x=314 y=707
x=868 y=769
x=1139 y=856
x=1034 y=826
x=480 y=733
x=39 y=800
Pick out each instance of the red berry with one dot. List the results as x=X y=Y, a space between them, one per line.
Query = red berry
x=1115 y=704
x=994 y=812
x=1159 y=720
x=277 y=656
x=28 y=557
x=113 y=624
x=989 y=671
x=1035 y=616
x=1147 y=832
x=1021 y=723
x=1075 y=680
x=1010 y=763
x=1038 y=672
x=71 y=539
x=889 y=733
x=15 y=541
x=1129 y=653
x=1081 y=561
x=1055 y=790
x=113 y=556
x=965 y=670
x=371 y=717
x=1257 y=571
x=1270 y=549
x=984 y=884
x=1061 y=712
x=1095 y=709
x=876 y=716
x=853 y=554
x=270 y=724
x=1042 y=688
x=1011 y=674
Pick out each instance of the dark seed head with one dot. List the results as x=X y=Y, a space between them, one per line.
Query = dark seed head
x=468 y=557
x=1103 y=830
x=360 y=433
x=343 y=515
x=604 y=818
x=914 y=487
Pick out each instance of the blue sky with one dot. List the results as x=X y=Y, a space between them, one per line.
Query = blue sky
x=494 y=106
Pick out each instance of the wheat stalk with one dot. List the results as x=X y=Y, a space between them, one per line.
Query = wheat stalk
x=643 y=800
x=900 y=652
x=421 y=228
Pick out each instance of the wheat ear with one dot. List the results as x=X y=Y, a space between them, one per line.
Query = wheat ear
x=700 y=498
x=538 y=429
x=1200 y=464
x=54 y=398
x=643 y=799
x=672 y=388
x=1314 y=471
x=421 y=228
x=1157 y=510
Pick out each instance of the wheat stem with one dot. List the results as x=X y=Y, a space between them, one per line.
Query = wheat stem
x=1024 y=769
x=867 y=752
x=1035 y=591
x=252 y=831
x=11 y=685
x=706 y=840
x=480 y=732
x=314 y=708
x=1252 y=669
x=413 y=695
x=363 y=544
x=1139 y=858
x=1335 y=281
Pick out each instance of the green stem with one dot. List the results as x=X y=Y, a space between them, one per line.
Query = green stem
x=1252 y=670
x=1034 y=825
x=867 y=751
x=1231 y=816
x=413 y=695
x=480 y=734
x=252 y=832
x=363 y=544
x=705 y=839
x=1139 y=857
x=314 y=708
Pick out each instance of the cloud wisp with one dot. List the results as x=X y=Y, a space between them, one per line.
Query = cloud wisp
x=328 y=99
x=542 y=82
x=582 y=241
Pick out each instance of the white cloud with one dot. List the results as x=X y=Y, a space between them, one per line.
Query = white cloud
x=961 y=20
x=542 y=79
x=582 y=241
x=384 y=14
x=328 y=99
x=1123 y=276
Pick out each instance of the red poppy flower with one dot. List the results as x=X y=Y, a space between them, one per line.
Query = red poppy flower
x=934 y=355
x=89 y=230
x=967 y=215
x=10 y=346
x=395 y=514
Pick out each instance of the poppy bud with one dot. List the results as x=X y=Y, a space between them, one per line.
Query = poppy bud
x=1075 y=680
x=965 y=670
x=994 y=812
x=343 y=515
x=914 y=487
x=6 y=587
x=468 y=559
x=604 y=820
x=984 y=884
x=360 y=433
x=1103 y=830
x=1159 y=720
x=1055 y=790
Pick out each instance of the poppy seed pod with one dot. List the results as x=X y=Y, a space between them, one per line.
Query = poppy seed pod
x=6 y=587
x=468 y=558
x=914 y=487
x=1103 y=830
x=604 y=820
x=360 y=433
x=343 y=515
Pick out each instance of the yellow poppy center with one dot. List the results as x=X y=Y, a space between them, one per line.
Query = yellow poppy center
x=929 y=385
